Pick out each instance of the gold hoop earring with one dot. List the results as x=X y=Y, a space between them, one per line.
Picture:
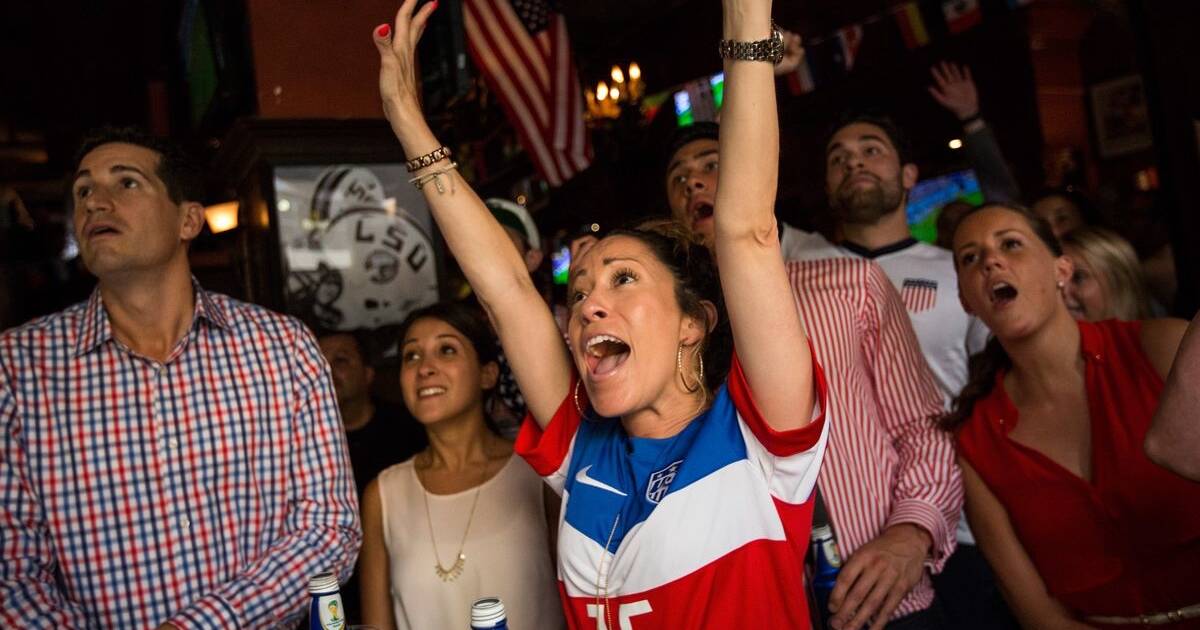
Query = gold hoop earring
x=699 y=384
x=575 y=396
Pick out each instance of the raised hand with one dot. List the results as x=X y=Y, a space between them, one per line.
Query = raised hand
x=954 y=89
x=793 y=53
x=398 y=84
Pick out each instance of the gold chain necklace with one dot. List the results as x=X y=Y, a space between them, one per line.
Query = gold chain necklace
x=460 y=560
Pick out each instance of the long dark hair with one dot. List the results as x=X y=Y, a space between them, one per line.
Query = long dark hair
x=983 y=367
x=468 y=320
x=696 y=280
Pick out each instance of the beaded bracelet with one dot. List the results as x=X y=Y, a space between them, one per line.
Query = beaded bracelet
x=434 y=156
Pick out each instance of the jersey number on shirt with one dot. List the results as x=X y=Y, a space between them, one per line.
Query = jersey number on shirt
x=624 y=613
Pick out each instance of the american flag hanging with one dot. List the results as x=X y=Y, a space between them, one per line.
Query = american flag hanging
x=524 y=53
x=918 y=294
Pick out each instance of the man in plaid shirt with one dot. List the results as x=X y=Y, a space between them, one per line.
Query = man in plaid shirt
x=170 y=457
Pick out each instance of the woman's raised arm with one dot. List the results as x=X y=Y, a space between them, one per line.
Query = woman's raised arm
x=767 y=331
x=483 y=250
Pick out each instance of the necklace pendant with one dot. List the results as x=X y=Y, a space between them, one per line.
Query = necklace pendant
x=455 y=570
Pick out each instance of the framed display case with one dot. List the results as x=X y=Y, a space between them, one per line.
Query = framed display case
x=1120 y=118
x=331 y=230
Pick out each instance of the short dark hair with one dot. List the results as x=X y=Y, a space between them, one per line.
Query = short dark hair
x=1087 y=210
x=894 y=133
x=176 y=168
x=361 y=339
x=702 y=130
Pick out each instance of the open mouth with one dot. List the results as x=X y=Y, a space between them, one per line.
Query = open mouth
x=1003 y=293
x=429 y=392
x=101 y=230
x=604 y=354
x=701 y=211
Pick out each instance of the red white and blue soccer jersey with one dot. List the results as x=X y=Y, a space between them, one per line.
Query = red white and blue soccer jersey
x=705 y=529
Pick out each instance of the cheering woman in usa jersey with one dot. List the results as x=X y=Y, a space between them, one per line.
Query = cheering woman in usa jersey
x=686 y=465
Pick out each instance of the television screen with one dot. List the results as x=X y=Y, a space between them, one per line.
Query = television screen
x=699 y=100
x=929 y=195
x=560 y=262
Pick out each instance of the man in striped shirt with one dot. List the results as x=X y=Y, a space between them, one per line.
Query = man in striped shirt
x=889 y=478
x=170 y=457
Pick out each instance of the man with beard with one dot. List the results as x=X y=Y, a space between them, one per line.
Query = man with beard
x=867 y=178
x=889 y=481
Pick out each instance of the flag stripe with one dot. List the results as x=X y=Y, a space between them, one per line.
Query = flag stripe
x=515 y=62
x=801 y=81
x=512 y=98
x=534 y=76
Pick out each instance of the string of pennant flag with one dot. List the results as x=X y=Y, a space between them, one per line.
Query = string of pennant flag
x=835 y=54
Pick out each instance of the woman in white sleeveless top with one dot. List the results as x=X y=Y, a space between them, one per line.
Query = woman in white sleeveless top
x=463 y=519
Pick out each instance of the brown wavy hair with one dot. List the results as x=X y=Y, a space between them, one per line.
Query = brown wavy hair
x=983 y=366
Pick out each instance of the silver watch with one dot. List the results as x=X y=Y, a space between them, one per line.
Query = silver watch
x=770 y=49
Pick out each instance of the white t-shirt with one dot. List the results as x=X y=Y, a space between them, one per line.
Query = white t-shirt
x=507 y=550
x=925 y=277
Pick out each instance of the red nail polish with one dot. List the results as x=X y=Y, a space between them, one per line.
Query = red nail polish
x=435 y=5
x=383 y=30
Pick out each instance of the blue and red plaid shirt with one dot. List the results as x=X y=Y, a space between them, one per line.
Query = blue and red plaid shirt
x=204 y=490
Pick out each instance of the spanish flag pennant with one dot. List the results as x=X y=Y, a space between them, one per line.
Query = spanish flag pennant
x=911 y=24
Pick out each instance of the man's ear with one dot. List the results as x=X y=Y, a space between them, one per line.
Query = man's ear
x=908 y=175
x=370 y=374
x=533 y=259
x=489 y=374
x=192 y=220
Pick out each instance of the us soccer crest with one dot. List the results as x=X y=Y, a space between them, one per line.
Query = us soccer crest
x=660 y=482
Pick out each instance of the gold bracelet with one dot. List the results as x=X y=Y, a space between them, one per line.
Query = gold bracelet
x=434 y=156
x=421 y=180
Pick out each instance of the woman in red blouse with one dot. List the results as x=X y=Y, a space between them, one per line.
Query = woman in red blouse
x=1080 y=527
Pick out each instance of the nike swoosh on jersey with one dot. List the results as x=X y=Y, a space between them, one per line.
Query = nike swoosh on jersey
x=583 y=478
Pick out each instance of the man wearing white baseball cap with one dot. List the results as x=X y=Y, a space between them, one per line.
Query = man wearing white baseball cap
x=521 y=229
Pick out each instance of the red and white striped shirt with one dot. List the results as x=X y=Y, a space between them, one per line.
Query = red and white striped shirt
x=886 y=463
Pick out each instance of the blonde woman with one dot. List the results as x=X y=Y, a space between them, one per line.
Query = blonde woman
x=1107 y=283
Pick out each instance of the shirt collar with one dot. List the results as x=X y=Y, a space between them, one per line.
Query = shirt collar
x=95 y=327
x=875 y=253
